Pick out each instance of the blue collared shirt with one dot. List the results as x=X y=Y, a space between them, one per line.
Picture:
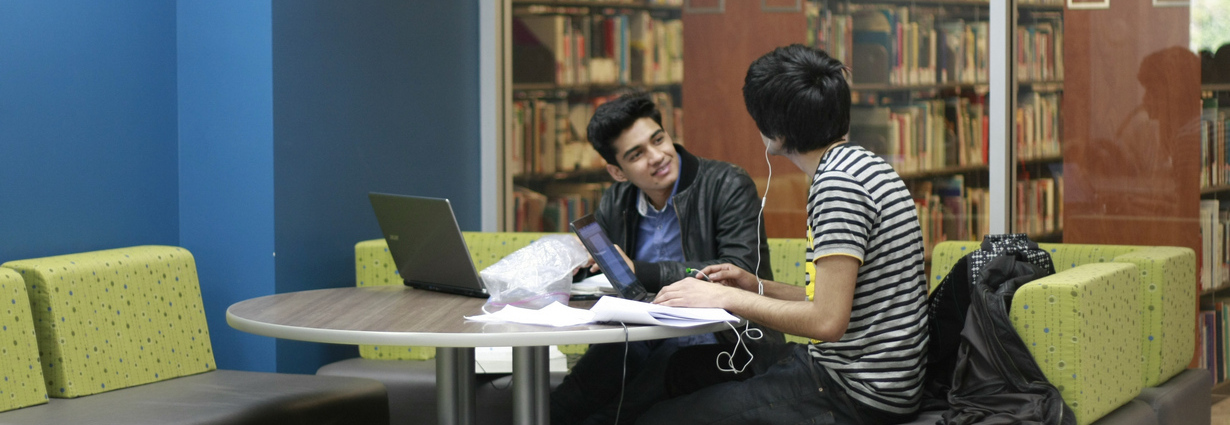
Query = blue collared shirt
x=658 y=235
x=659 y=238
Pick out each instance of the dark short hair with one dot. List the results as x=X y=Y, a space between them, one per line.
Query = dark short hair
x=798 y=95
x=612 y=118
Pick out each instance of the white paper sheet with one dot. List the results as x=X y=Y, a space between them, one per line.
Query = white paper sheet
x=609 y=309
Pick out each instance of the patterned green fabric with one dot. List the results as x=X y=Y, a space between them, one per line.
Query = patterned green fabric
x=374 y=267
x=945 y=255
x=117 y=318
x=1066 y=256
x=789 y=265
x=1168 y=291
x=1167 y=285
x=786 y=255
x=1077 y=328
x=23 y=376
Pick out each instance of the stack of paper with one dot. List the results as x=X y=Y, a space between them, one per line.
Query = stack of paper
x=594 y=285
x=610 y=309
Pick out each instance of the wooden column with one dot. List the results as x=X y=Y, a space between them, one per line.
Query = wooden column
x=717 y=49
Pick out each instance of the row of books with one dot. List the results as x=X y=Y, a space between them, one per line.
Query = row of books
x=1039 y=205
x=935 y=134
x=1039 y=51
x=1214 y=258
x=549 y=134
x=1214 y=333
x=1038 y=133
x=538 y=212
x=597 y=49
x=904 y=45
x=1214 y=151
x=950 y=211
x=925 y=135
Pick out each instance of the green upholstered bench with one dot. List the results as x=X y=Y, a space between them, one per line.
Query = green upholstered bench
x=1112 y=330
x=23 y=375
x=122 y=339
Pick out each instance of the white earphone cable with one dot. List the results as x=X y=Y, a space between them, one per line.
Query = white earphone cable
x=748 y=331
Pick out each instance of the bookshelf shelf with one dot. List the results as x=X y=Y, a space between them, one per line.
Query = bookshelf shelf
x=1044 y=159
x=1224 y=290
x=864 y=87
x=1051 y=237
x=630 y=5
x=1043 y=86
x=1212 y=190
x=593 y=175
x=980 y=88
x=564 y=89
x=966 y=3
x=942 y=172
x=1041 y=7
x=1215 y=87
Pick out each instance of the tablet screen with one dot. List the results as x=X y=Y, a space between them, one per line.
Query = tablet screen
x=604 y=253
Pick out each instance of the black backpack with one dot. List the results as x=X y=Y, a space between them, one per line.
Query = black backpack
x=986 y=279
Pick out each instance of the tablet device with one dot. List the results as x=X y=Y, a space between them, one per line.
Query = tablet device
x=611 y=262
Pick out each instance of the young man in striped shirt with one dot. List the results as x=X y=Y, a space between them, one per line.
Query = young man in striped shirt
x=864 y=303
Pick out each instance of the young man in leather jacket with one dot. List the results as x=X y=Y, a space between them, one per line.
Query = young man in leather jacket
x=669 y=211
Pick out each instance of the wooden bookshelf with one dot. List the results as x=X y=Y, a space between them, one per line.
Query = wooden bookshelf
x=1215 y=87
x=594 y=175
x=940 y=172
x=1213 y=190
x=565 y=89
x=631 y=4
x=567 y=58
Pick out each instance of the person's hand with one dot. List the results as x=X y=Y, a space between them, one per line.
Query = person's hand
x=692 y=292
x=732 y=276
x=593 y=265
x=589 y=264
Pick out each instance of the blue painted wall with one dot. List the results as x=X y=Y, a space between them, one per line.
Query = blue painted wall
x=225 y=85
x=87 y=126
x=237 y=129
x=368 y=96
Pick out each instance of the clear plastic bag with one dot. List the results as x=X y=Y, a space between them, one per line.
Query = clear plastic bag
x=534 y=276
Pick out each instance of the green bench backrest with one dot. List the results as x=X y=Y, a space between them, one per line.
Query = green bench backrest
x=23 y=375
x=118 y=318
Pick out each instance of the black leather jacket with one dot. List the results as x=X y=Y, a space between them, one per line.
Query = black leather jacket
x=717 y=207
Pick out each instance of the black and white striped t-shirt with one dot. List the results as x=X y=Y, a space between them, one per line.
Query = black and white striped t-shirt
x=858 y=206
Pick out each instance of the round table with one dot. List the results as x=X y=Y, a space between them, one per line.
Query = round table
x=398 y=315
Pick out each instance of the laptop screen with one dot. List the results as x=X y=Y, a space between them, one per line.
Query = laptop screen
x=426 y=243
x=611 y=262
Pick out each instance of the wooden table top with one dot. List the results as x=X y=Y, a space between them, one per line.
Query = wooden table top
x=398 y=315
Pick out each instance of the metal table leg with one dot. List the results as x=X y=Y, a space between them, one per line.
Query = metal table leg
x=455 y=386
x=531 y=386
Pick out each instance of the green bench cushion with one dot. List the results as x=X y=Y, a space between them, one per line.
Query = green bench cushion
x=1167 y=294
x=788 y=256
x=1168 y=276
x=1076 y=327
x=117 y=318
x=23 y=375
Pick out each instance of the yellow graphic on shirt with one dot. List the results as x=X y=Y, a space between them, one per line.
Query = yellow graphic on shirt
x=809 y=273
x=809 y=269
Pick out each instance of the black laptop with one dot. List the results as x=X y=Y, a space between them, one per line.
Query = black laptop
x=426 y=244
x=612 y=263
